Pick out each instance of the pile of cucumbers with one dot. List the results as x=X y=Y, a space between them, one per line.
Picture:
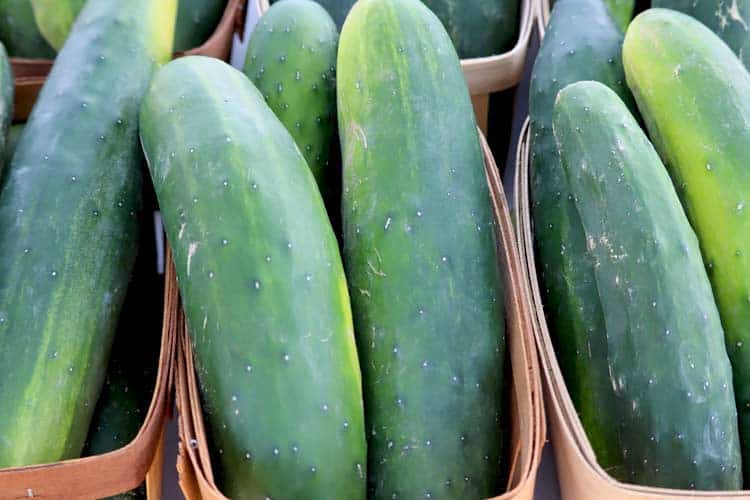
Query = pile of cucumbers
x=333 y=238
x=640 y=143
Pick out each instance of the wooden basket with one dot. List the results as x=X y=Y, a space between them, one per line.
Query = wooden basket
x=30 y=74
x=581 y=477
x=119 y=470
x=485 y=75
x=527 y=413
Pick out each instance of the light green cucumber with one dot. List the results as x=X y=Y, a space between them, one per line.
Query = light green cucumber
x=693 y=94
x=55 y=19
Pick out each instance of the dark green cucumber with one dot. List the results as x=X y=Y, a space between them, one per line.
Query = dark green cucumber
x=196 y=22
x=291 y=58
x=133 y=365
x=19 y=32
x=419 y=246
x=669 y=374
x=621 y=11
x=262 y=285
x=672 y=59
x=581 y=43
x=68 y=231
x=55 y=18
x=730 y=19
x=478 y=28
x=338 y=9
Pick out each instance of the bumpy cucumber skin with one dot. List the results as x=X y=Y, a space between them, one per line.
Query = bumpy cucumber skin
x=263 y=287
x=291 y=59
x=670 y=376
x=621 y=11
x=55 y=19
x=581 y=43
x=196 y=22
x=19 y=32
x=419 y=246
x=692 y=92
x=478 y=28
x=730 y=19
x=68 y=228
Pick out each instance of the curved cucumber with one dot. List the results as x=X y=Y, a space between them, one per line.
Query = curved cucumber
x=55 y=19
x=196 y=22
x=672 y=59
x=419 y=246
x=478 y=28
x=670 y=376
x=730 y=19
x=68 y=228
x=291 y=58
x=581 y=43
x=19 y=32
x=263 y=287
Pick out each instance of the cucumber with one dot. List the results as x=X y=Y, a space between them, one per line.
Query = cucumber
x=68 y=228
x=338 y=9
x=262 y=285
x=291 y=58
x=581 y=43
x=671 y=59
x=196 y=22
x=621 y=11
x=55 y=19
x=419 y=247
x=730 y=19
x=19 y=32
x=671 y=381
x=478 y=28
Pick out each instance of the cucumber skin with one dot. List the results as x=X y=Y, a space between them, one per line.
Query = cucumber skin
x=706 y=152
x=621 y=11
x=19 y=32
x=428 y=303
x=11 y=141
x=580 y=42
x=299 y=84
x=196 y=22
x=54 y=18
x=728 y=19
x=670 y=374
x=272 y=266
x=338 y=9
x=68 y=229
x=478 y=28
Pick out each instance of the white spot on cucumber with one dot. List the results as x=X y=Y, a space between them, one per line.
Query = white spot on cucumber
x=192 y=248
